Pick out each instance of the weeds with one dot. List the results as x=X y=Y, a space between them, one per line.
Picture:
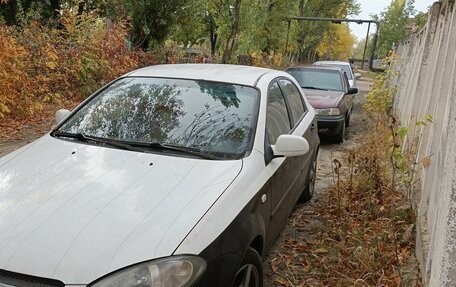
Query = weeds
x=361 y=232
x=42 y=64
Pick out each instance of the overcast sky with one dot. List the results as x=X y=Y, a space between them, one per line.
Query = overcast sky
x=369 y=7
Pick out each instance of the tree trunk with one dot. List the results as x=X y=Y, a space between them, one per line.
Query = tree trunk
x=234 y=30
x=213 y=35
x=81 y=6
x=55 y=5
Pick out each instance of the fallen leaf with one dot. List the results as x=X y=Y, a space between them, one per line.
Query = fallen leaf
x=320 y=251
x=282 y=281
x=426 y=162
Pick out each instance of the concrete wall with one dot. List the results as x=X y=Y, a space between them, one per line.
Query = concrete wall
x=427 y=85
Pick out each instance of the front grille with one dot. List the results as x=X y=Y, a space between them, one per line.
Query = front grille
x=9 y=278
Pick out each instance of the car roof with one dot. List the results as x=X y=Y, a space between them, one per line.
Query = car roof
x=332 y=63
x=235 y=74
x=309 y=67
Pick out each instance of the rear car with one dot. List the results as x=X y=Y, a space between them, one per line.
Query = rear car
x=329 y=92
x=170 y=176
x=346 y=67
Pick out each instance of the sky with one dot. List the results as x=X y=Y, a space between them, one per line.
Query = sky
x=369 y=7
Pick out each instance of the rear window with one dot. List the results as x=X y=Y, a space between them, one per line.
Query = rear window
x=345 y=68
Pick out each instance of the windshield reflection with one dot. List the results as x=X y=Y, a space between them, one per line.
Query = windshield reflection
x=211 y=117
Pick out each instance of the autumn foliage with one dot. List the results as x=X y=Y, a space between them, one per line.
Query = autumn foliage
x=42 y=65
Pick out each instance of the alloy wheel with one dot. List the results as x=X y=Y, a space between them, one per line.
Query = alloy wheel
x=247 y=276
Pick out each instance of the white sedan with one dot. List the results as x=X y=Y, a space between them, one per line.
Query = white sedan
x=170 y=176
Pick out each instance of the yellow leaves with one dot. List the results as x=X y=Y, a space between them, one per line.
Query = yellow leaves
x=282 y=281
x=426 y=162
x=337 y=43
x=51 y=65
x=320 y=251
x=43 y=65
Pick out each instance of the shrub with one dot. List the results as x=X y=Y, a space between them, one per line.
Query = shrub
x=41 y=64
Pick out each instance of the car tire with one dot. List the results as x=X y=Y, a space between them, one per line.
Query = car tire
x=347 y=120
x=250 y=269
x=339 y=137
x=308 y=192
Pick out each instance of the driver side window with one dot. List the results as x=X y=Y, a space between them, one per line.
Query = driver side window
x=277 y=115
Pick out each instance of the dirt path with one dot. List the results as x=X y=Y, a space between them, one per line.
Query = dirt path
x=27 y=133
x=305 y=213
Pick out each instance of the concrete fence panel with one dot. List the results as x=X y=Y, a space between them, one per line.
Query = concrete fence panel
x=426 y=84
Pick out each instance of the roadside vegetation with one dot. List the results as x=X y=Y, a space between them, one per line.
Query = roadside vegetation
x=361 y=232
x=57 y=52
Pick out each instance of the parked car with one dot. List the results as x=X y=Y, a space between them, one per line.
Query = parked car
x=172 y=175
x=329 y=92
x=344 y=66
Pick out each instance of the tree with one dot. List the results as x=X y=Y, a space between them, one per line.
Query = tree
x=151 y=20
x=359 y=48
x=15 y=12
x=393 y=25
x=234 y=29
x=263 y=25
x=310 y=34
x=421 y=19
x=337 y=43
x=190 y=25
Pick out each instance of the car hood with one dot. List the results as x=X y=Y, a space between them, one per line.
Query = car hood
x=75 y=212
x=323 y=99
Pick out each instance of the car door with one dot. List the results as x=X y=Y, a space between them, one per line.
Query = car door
x=298 y=111
x=348 y=98
x=285 y=173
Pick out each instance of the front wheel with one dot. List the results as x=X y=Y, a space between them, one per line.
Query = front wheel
x=347 y=120
x=339 y=138
x=250 y=272
x=308 y=192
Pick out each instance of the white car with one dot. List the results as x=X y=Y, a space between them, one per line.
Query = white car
x=344 y=66
x=170 y=176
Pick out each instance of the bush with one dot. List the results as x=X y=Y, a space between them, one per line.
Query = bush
x=41 y=64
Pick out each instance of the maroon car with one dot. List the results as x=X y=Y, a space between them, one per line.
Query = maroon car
x=329 y=92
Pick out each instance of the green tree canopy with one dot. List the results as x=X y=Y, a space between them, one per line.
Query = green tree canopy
x=393 y=25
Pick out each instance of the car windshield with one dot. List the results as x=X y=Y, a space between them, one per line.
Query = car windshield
x=208 y=117
x=345 y=68
x=317 y=79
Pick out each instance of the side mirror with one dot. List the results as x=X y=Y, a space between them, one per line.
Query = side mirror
x=60 y=115
x=352 y=91
x=290 y=145
x=357 y=75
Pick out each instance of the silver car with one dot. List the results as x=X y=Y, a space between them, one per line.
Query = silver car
x=344 y=66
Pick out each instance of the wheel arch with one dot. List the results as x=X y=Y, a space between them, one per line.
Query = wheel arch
x=258 y=244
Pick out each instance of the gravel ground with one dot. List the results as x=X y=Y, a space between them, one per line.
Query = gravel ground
x=327 y=153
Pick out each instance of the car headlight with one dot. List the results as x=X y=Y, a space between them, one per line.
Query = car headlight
x=176 y=271
x=328 y=112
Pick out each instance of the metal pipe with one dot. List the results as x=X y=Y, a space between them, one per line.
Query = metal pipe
x=374 y=48
x=365 y=46
x=358 y=21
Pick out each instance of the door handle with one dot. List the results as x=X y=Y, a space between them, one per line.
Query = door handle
x=313 y=125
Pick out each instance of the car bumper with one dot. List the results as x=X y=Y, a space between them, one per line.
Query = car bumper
x=330 y=125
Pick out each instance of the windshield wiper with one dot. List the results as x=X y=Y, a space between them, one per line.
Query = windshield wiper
x=86 y=138
x=133 y=146
x=160 y=146
x=314 y=88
